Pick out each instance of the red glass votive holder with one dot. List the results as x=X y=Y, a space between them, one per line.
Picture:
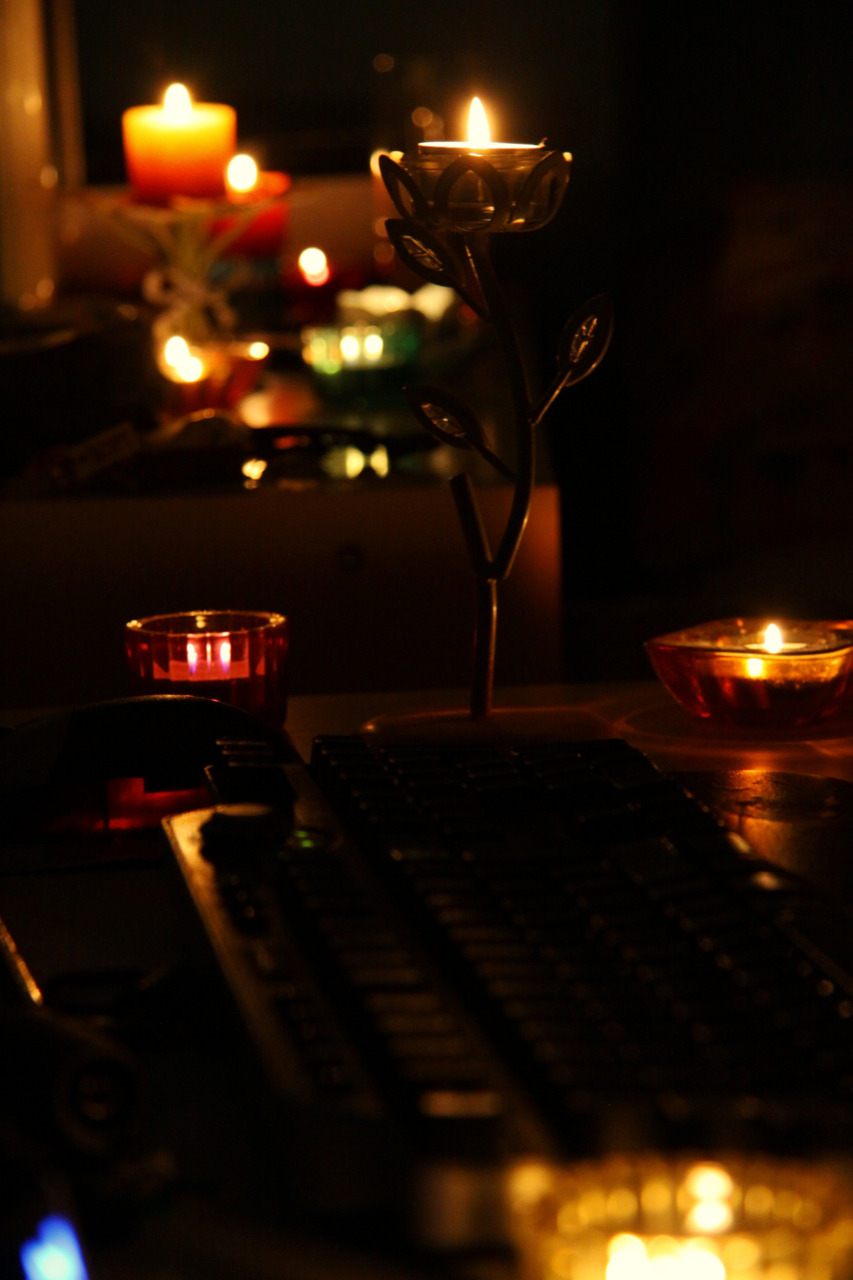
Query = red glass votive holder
x=740 y=672
x=236 y=656
x=211 y=376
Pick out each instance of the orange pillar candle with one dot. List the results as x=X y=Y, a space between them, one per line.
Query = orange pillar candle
x=179 y=149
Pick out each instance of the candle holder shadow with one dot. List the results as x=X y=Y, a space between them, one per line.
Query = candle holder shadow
x=448 y=209
x=722 y=673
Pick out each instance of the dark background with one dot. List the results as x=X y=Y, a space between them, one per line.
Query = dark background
x=707 y=469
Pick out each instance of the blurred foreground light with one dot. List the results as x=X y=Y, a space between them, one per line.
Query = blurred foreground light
x=54 y=1253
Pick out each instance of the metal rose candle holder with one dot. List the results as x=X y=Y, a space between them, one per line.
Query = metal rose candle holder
x=449 y=205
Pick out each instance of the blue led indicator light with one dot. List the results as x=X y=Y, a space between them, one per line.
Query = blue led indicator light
x=54 y=1253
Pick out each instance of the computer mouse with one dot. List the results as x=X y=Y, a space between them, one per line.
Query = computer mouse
x=162 y=742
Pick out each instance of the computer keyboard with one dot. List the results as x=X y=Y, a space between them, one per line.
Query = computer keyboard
x=449 y=958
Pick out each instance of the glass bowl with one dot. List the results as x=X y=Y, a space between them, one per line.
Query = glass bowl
x=234 y=656
x=754 y=674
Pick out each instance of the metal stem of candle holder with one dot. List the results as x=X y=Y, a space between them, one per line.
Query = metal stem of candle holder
x=445 y=240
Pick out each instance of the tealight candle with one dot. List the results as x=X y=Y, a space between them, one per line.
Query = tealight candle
x=179 y=149
x=237 y=657
x=752 y=674
x=214 y=375
x=260 y=224
x=514 y=161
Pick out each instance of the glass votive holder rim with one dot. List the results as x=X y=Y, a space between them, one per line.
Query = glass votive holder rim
x=729 y=674
x=739 y=636
x=229 y=621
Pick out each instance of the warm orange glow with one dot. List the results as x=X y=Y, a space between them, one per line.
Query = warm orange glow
x=178 y=149
x=478 y=125
x=773 y=640
x=178 y=356
x=314 y=266
x=242 y=173
x=177 y=104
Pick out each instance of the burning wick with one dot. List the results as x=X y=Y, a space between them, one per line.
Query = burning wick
x=478 y=125
x=773 y=641
x=177 y=104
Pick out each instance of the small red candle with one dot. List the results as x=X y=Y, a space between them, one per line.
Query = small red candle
x=178 y=149
x=237 y=657
x=260 y=214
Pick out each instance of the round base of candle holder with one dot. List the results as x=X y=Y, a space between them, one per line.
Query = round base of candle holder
x=504 y=726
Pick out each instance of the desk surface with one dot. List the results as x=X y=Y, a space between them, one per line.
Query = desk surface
x=642 y=712
x=791 y=798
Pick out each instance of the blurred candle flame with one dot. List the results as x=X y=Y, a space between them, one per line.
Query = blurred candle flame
x=177 y=104
x=314 y=266
x=242 y=173
x=177 y=355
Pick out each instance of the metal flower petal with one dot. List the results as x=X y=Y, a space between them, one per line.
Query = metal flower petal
x=445 y=417
x=542 y=193
x=471 y=195
x=399 y=181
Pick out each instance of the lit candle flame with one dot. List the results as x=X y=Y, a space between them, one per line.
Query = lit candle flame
x=192 y=657
x=177 y=355
x=478 y=125
x=177 y=104
x=773 y=641
x=225 y=656
x=242 y=173
x=314 y=266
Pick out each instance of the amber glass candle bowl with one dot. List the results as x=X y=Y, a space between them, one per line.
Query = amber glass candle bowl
x=237 y=656
x=750 y=673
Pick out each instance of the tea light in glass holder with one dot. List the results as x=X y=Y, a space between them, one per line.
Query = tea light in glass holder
x=748 y=673
x=236 y=656
x=654 y=1217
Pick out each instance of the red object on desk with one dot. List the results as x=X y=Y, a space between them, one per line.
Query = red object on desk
x=237 y=657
